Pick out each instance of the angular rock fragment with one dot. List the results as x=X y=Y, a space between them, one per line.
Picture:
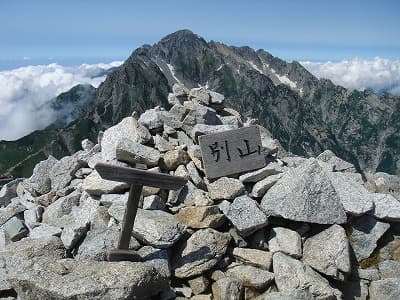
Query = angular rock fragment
x=39 y=183
x=250 y=276
x=227 y=288
x=201 y=216
x=136 y=153
x=386 y=207
x=44 y=230
x=225 y=188
x=305 y=194
x=261 y=187
x=328 y=252
x=258 y=258
x=246 y=215
x=199 y=284
x=257 y=175
x=365 y=233
x=8 y=192
x=291 y=274
x=200 y=252
x=385 y=289
x=63 y=171
x=153 y=202
x=151 y=119
x=172 y=159
x=95 y=185
x=286 y=241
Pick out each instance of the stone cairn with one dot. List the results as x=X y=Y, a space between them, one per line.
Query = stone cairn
x=296 y=229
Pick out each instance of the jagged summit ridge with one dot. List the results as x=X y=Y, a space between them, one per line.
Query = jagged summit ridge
x=215 y=239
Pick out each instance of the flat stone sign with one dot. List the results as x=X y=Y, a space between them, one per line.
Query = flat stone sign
x=232 y=151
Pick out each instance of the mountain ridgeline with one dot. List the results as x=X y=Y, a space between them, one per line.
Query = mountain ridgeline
x=306 y=114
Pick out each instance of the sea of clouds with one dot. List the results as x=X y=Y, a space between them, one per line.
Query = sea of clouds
x=378 y=74
x=25 y=91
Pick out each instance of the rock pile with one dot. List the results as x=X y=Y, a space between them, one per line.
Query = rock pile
x=296 y=229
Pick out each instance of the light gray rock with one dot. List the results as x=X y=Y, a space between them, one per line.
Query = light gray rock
x=87 y=145
x=200 y=252
x=162 y=144
x=199 y=284
x=224 y=206
x=194 y=153
x=216 y=98
x=55 y=213
x=136 y=153
x=40 y=183
x=99 y=241
x=370 y=274
x=44 y=230
x=199 y=95
x=385 y=289
x=8 y=192
x=15 y=229
x=339 y=164
x=127 y=129
x=286 y=241
x=151 y=119
x=261 y=187
x=389 y=269
x=152 y=227
x=257 y=175
x=153 y=202
x=172 y=159
x=172 y=99
x=69 y=279
x=195 y=176
x=116 y=199
x=83 y=172
x=180 y=90
x=95 y=185
x=231 y=121
x=291 y=274
x=202 y=129
x=225 y=188
x=328 y=252
x=33 y=215
x=355 y=199
x=157 y=258
x=386 y=207
x=305 y=194
x=201 y=216
x=365 y=233
x=13 y=209
x=246 y=215
x=258 y=258
x=200 y=114
x=250 y=276
x=71 y=234
x=63 y=171
x=227 y=288
x=288 y=295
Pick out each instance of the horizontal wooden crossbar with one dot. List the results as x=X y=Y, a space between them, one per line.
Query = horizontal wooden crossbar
x=140 y=177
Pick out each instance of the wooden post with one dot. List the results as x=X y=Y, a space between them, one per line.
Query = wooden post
x=137 y=179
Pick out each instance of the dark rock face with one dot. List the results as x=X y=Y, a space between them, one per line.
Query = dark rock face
x=306 y=114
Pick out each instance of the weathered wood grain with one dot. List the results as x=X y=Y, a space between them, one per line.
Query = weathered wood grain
x=140 y=177
x=232 y=151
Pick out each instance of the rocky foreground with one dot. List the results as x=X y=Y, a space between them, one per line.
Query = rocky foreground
x=296 y=229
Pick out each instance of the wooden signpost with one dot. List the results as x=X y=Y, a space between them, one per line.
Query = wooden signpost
x=137 y=179
x=232 y=151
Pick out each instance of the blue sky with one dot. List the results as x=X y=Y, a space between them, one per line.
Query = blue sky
x=92 y=31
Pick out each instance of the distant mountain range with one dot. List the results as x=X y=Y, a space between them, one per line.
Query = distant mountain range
x=306 y=114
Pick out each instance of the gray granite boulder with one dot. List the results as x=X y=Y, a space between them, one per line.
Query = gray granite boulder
x=305 y=194
x=152 y=227
x=151 y=119
x=286 y=241
x=39 y=183
x=201 y=216
x=250 y=276
x=339 y=164
x=216 y=98
x=200 y=114
x=199 y=95
x=261 y=187
x=127 y=129
x=180 y=90
x=63 y=171
x=225 y=188
x=389 y=269
x=355 y=199
x=95 y=185
x=172 y=159
x=291 y=274
x=258 y=258
x=153 y=202
x=136 y=153
x=202 y=129
x=200 y=252
x=45 y=230
x=385 y=289
x=227 y=288
x=8 y=192
x=15 y=229
x=246 y=215
x=272 y=168
x=386 y=207
x=365 y=232
x=328 y=252
x=55 y=213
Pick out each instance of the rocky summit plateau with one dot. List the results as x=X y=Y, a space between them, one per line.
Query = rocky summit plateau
x=298 y=228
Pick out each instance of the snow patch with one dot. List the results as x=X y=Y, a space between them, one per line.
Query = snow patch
x=254 y=66
x=172 y=70
x=284 y=79
x=220 y=67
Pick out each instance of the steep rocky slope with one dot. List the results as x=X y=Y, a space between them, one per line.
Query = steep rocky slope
x=308 y=115
x=297 y=228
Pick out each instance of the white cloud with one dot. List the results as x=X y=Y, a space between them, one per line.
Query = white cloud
x=378 y=74
x=23 y=92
